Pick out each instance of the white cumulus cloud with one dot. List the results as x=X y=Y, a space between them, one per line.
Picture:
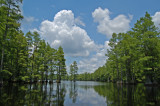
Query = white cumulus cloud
x=64 y=31
x=108 y=26
x=156 y=19
x=79 y=22
x=95 y=61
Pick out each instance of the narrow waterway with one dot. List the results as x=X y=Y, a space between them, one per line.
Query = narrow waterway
x=80 y=93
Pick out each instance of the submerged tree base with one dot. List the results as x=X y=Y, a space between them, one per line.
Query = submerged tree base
x=43 y=82
x=132 y=82
x=58 y=81
x=127 y=82
x=151 y=84
x=120 y=82
x=1 y=84
x=29 y=82
x=50 y=82
x=148 y=82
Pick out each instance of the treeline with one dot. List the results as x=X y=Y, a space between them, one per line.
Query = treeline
x=98 y=75
x=133 y=56
x=27 y=57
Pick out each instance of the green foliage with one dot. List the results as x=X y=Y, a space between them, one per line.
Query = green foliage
x=60 y=63
x=99 y=75
x=133 y=56
x=73 y=71
x=135 y=53
x=5 y=74
x=11 y=38
x=25 y=58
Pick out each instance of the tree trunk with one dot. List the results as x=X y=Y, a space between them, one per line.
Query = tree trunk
x=121 y=75
x=17 y=68
x=128 y=71
x=117 y=71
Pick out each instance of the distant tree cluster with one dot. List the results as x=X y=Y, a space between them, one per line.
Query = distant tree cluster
x=133 y=56
x=98 y=75
x=25 y=57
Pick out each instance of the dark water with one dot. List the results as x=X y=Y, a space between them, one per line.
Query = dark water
x=79 y=94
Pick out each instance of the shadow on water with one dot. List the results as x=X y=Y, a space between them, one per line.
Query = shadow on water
x=73 y=91
x=35 y=94
x=79 y=93
x=129 y=95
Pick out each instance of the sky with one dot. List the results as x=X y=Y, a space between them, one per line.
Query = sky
x=83 y=27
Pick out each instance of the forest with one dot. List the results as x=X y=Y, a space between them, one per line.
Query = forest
x=25 y=58
x=133 y=56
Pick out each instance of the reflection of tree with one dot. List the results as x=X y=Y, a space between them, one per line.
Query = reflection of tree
x=151 y=96
x=15 y=95
x=54 y=94
x=32 y=95
x=60 y=93
x=117 y=95
x=73 y=92
x=50 y=94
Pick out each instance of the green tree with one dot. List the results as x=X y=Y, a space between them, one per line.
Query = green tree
x=61 y=67
x=33 y=40
x=73 y=71
x=147 y=34
x=133 y=56
x=135 y=53
x=9 y=26
x=75 y=68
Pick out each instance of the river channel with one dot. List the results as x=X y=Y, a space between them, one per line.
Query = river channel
x=79 y=93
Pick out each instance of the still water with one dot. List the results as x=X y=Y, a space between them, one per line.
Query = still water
x=80 y=93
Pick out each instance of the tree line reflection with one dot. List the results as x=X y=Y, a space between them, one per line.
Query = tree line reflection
x=35 y=94
x=55 y=94
x=129 y=95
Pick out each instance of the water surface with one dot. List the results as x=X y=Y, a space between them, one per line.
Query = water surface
x=80 y=93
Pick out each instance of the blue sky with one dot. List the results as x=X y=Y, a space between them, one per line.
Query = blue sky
x=83 y=27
